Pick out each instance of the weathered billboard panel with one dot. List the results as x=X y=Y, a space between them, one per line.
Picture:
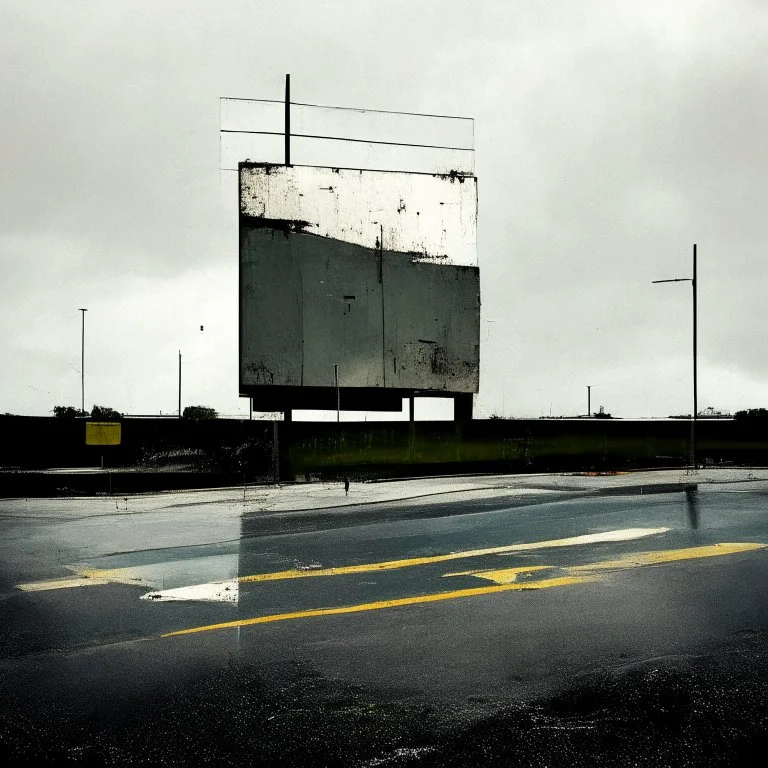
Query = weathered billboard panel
x=374 y=272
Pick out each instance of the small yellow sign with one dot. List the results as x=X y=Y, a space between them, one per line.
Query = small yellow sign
x=102 y=433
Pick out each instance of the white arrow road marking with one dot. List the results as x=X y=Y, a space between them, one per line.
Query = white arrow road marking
x=215 y=591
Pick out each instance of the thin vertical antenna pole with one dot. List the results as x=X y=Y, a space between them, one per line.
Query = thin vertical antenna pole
x=82 y=363
x=179 y=383
x=589 y=400
x=287 y=119
x=695 y=381
x=82 y=367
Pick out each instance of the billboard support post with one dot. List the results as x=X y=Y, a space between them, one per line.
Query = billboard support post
x=275 y=453
x=338 y=394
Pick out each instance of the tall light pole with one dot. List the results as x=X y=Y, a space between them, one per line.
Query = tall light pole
x=82 y=310
x=692 y=280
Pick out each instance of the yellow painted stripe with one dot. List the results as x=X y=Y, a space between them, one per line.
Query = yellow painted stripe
x=560 y=581
x=502 y=575
x=575 y=575
x=631 y=560
x=668 y=556
x=86 y=577
x=66 y=583
x=591 y=538
x=512 y=573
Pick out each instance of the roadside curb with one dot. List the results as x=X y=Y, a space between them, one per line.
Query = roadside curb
x=63 y=485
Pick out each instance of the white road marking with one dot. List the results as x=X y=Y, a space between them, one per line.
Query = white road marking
x=215 y=591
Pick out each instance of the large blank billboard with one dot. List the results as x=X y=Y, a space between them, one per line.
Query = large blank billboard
x=369 y=273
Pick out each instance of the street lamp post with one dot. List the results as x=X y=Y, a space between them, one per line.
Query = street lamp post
x=82 y=310
x=692 y=280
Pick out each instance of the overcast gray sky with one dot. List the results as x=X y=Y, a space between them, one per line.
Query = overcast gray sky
x=610 y=136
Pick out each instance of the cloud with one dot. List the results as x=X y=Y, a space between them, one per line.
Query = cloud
x=610 y=137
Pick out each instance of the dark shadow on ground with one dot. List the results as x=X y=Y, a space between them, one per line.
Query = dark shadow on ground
x=709 y=710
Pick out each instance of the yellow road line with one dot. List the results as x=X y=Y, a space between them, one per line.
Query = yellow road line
x=65 y=583
x=86 y=577
x=512 y=573
x=631 y=560
x=505 y=581
x=626 y=534
x=560 y=581
x=668 y=556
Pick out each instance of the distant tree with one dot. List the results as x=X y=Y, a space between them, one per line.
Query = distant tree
x=105 y=413
x=67 y=412
x=751 y=414
x=713 y=413
x=199 y=413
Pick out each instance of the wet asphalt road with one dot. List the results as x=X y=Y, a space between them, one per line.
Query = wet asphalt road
x=644 y=642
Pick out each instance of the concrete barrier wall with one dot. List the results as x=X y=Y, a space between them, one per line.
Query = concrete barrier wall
x=245 y=449
x=509 y=446
x=218 y=445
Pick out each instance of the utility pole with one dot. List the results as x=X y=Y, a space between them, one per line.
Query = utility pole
x=695 y=392
x=589 y=400
x=179 y=383
x=82 y=364
x=694 y=415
